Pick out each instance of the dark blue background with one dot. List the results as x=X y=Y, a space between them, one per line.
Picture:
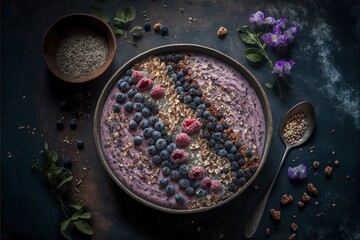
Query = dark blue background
x=326 y=73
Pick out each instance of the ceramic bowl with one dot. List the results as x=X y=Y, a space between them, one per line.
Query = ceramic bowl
x=62 y=26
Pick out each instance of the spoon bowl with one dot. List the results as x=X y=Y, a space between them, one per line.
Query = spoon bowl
x=298 y=123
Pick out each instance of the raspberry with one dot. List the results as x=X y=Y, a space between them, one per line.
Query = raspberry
x=178 y=156
x=195 y=172
x=137 y=75
x=206 y=182
x=144 y=84
x=182 y=140
x=190 y=126
x=157 y=92
x=215 y=186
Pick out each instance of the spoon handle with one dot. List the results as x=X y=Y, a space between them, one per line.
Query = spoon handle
x=256 y=216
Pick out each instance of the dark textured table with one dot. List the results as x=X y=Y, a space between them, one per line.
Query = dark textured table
x=326 y=73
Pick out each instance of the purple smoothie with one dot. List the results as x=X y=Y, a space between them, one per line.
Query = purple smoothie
x=228 y=91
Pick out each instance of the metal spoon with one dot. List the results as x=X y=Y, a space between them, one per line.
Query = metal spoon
x=308 y=110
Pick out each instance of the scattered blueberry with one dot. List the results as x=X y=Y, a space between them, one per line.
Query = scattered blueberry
x=195 y=183
x=156 y=159
x=80 y=144
x=189 y=190
x=138 y=106
x=210 y=126
x=197 y=100
x=131 y=93
x=222 y=153
x=73 y=124
x=171 y=147
x=206 y=114
x=192 y=91
x=147 y=26
x=240 y=181
x=234 y=166
x=124 y=86
x=153 y=120
x=148 y=132
x=139 y=98
x=184 y=183
x=137 y=140
x=184 y=169
x=248 y=153
x=173 y=165
x=164 y=30
x=145 y=112
x=159 y=126
x=231 y=157
x=150 y=141
x=175 y=175
x=201 y=192
x=219 y=128
x=59 y=125
x=144 y=124
x=67 y=162
x=152 y=150
x=228 y=144
x=156 y=135
x=138 y=117
x=188 y=99
x=164 y=154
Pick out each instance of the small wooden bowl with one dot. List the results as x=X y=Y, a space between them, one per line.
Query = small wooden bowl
x=60 y=27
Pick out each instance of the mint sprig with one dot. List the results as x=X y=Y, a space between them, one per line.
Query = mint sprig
x=59 y=178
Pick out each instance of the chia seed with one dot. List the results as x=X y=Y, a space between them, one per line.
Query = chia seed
x=81 y=52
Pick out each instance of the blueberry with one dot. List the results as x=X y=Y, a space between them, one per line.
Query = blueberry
x=131 y=93
x=206 y=114
x=139 y=98
x=119 y=82
x=207 y=103
x=156 y=159
x=173 y=165
x=218 y=146
x=233 y=187
x=145 y=112
x=184 y=169
x=233 y=149
x=80 y=144
x=197 y=100
x=225 y=170
x=202 y=107
x=129 y=106
x=211 y=143
x=199 y=112
x=138 y=106
x=148 y=132
x=234 y=166
x=222 y=153
x=156 y=135
x=212 y=119
x=124 y=86
x=160 y=143
x=144 y=124
x=152 y=150
x=147 y=26
x=137 y=140
x=252 y=169
x=164 y=30
x=219 y=128
x=163 y=182
x=73 y=124
x=192 y=105
x=116 y=107
x=132 y=124
x=195 y=183
x=150 y=141
x=179 y=198
x=66 y=174
x=166 y=171
x=240 y=173
x=248 y=153
x=231 y=157
x=159 y=126
x=67 y=162
x=120 y=98
x=189 y=190
x=199 y=93
x=171 y=147
x=175 y=175
x=240 y=181
x=164 y=154
x=210 y=126
x=217 y=136
x=225 y=125
x=186 y=87
x=128 y=72
x=59 y=125
x=165 y=164
x=241 y=161
x=228 y=144
x=153 y=120
x=170 y=190
x=138 y=117
x=192 y=91
x=188 y=99
x=201 y=192
x=179 y=89
x=128 y=79
x=184 y=183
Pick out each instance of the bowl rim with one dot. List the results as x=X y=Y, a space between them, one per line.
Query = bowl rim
x=110 y=57
x=189 y=48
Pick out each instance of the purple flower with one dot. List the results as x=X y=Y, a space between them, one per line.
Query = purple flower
x=274 y=40
x=283 y=67
x=257 y=17
x=298 y=172
x=269 y=20
x=281 y=22
x=291 y=33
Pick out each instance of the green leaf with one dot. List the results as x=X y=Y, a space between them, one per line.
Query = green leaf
x=85 y=215
x=253 y=55
x=56 y=170
x=120 y=15
x=244 y=29
x=68 y=179
x=268 y=85
x=246 y=38
x=77 y=206
x=83 y=227
x=65 y=234
x=53 y=156
x=117 y=31
x=52 y=179
x=136 y=31
x=64 y=225
x=100 y=12
x=130 y=13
